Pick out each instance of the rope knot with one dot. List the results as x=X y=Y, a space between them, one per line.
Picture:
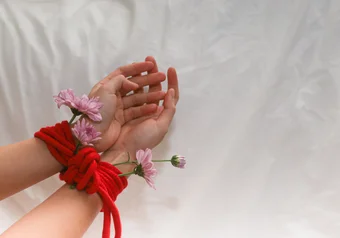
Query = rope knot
x=86 y=171
x=81 y=170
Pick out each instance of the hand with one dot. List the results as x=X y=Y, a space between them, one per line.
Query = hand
x=148 y=131
x=118 y=108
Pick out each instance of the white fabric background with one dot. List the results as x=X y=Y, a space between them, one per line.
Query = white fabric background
x=258 y=118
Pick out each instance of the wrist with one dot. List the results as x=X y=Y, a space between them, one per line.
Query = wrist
x=120 y=156
x=119 y=148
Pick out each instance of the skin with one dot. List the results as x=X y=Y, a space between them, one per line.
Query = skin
x=149 y=131
x=68 y=212
x=29 y=162
x=118 y=108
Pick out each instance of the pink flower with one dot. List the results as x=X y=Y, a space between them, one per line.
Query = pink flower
x=85 y=132
x=80 y=105
x=178 y=161
x=65 y=97
x=89 y=106
x=145 y=167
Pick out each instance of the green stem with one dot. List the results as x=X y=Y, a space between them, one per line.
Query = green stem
x=127 y=162
x=77 y=148
x=127 y=174
x=72 y=119
x=169 y=160
x=73 y=186
x=123 y=163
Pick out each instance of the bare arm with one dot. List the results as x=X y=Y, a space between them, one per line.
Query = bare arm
x=28 y=162
x=67 y=213
x=24 y=164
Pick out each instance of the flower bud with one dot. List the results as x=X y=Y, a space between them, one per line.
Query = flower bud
x=178 y=161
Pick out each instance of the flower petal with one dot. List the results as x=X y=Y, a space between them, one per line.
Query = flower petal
x=140 y=155
x=85 y=132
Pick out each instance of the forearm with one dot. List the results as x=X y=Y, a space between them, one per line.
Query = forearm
x=24 y=164
x=67 y=213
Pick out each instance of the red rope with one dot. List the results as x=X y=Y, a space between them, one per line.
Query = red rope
x=86 y=171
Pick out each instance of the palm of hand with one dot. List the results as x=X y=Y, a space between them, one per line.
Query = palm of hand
x=119 y=108
x=140 y=135
x=112 y=114
x=148 y=132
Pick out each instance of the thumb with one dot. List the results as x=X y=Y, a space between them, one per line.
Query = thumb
x=166 y=116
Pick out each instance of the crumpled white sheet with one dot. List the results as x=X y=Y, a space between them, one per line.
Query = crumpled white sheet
x=258 y=118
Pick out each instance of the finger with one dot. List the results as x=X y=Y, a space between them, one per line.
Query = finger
x=121 y=84
x=139 y=73
x=132 y=69
x=155 y=66
x=158 y=86
x=153 y=115
x=140 y=89
x=149 y=79
x=137 y=112
x=159 y=111
x=168 y=112
x=173 y=82
x=141 y=98
x=156 y=114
